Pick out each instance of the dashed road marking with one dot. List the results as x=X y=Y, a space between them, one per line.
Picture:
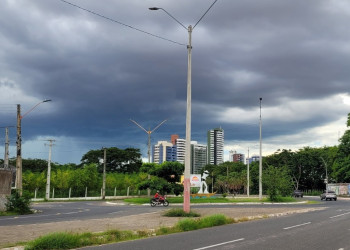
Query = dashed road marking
x=297 y=225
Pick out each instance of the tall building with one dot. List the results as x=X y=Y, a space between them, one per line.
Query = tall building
x=236 y=157
x=160 y=152
x=216 y=146
x=198 y=157
x=180 y=145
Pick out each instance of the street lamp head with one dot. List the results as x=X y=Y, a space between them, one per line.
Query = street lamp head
x=260 y=98
x=47 y=100
x=154 y=8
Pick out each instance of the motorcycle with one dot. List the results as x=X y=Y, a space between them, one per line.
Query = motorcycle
x=160 y=201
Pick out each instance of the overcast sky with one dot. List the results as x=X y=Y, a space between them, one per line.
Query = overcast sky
x=100 y=73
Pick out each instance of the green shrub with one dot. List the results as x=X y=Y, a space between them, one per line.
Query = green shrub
x=18 y=204
x=178 y=212
x=209 y=221
x=213 y=221
x=55 y=241
x=187 y=225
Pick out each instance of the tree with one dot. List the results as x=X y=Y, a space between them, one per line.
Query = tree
x=341 y=166
x=277 y=182
x=86 y=177
x=117 y=160
x=164 y=177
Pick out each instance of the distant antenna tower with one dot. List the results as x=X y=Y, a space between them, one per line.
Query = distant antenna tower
x=149 y=132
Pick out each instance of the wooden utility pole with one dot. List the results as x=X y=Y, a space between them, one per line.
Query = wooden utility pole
x=6 y=157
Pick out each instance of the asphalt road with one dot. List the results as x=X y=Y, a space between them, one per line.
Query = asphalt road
x=323 y=229
x=84 y=210
x=68 y=211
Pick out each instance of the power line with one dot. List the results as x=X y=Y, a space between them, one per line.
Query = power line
x=118 y=22
x=205 y=13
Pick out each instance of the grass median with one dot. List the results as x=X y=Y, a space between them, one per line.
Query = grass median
x=64 y=240
x=175 y=200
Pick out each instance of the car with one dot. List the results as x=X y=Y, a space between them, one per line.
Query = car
x=298 y=193
x=328 y=195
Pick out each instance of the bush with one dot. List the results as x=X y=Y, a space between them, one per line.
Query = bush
x=213 y=221
x=55 y=241
x=18 y=204
x=178 y=212
x=209 y=221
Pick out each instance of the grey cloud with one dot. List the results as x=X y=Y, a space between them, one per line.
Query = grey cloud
x=100 y=73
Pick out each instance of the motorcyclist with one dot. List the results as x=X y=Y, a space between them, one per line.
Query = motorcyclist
x=157 y=196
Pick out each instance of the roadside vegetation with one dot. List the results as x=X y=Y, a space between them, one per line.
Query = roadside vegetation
x=65 y=240
x=17 y=204
x=178 y=212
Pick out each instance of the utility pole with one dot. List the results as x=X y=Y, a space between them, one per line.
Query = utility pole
x=248 y=175
x=260 y=159
x=6 y=157
x=18 y=184
x=104 y=175
x=326 y=180
x=19 y=153
x=47 y=196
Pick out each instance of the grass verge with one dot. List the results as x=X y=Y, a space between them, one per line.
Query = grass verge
x=65 y=240
x=175 y=200
x=178 y=212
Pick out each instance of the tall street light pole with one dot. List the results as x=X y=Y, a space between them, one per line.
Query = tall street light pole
x=187 y=172
x=48 y=177
x=248 y=178
x=260 y=159
x=19 y=145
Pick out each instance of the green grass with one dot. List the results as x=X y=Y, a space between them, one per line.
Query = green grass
x=8 y=213
x=284 y=199
x=56 y=241
x=65 y=240
x=178 y=200
x=178 y=212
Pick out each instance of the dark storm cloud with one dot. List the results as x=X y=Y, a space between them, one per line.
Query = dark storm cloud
x=100 y=73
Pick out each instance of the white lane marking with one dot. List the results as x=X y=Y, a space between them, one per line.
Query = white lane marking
x=339 y=215
x=71 y=213
x=220 y=244
x=297 y=225
x=115 y=212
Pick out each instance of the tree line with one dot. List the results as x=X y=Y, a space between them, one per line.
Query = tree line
x=285 y=170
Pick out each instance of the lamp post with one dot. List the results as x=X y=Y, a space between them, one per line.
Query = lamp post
x=248 y=175
x=187 y=172
x=326 y=180
x=48 y=177
x=260 y=159
x=19 y=145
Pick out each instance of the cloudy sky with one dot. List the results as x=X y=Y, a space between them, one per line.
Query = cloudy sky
x=127 y=62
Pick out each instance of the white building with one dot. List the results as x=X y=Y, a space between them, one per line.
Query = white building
x=216 y=146
x=180 y=150
x=198 y=157
x=159 y=152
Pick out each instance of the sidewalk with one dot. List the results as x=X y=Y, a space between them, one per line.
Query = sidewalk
x=146 y=221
